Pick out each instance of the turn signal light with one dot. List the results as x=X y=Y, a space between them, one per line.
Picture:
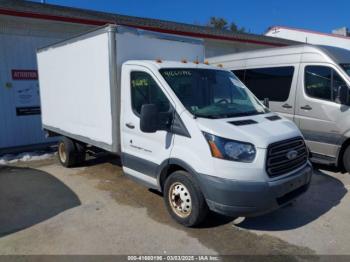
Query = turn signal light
x=214 y=150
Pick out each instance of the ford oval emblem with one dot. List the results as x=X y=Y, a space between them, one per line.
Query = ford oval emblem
x=292 y=154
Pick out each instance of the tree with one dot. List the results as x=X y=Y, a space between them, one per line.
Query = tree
x=236 y=29
x=218 y=23
x=222 y=24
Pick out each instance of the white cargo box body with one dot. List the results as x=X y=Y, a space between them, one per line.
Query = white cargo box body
x=80 y=79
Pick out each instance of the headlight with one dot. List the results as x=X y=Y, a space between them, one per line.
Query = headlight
x=230 y=149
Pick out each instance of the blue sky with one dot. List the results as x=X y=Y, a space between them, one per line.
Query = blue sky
x=321 y=15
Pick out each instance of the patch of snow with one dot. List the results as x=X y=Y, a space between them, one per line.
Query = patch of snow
x=25 y=156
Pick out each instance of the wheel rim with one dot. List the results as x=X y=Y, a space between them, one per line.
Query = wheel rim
x=180 y=200
x=62 y=152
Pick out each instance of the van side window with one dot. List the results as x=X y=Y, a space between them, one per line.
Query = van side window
x=144 y=90
x=273 y=83
x=240 y=74
x=322 y=82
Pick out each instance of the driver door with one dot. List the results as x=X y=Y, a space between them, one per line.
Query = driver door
x=142 y=152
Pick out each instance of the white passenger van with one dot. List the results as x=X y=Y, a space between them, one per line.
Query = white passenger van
x=307 y=84
x=192 y=131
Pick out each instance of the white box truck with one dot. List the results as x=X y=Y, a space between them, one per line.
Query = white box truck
x=190 y=130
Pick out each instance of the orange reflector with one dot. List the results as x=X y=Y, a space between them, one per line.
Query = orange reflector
x=206 y=62
x=214 y=150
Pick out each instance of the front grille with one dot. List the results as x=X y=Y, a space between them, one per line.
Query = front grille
x=278 y=163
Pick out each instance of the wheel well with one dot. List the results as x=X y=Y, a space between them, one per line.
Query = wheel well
x=341 y=153
x=167 y=171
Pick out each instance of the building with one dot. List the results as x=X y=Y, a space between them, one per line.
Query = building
x=338 y=37
x=343 y=31
x=26 y=26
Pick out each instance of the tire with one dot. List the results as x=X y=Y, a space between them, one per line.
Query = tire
x=80 y=153
x=70 y=153
x=180 y=188
x=346 y=159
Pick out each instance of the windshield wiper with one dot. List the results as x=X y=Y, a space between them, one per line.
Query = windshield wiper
x=250 y=113
x=206 y=116
x=228 y=115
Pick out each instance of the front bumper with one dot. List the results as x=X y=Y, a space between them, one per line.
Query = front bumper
x=247 y=198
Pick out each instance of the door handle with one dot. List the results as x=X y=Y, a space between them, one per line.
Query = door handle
x=130 y=125
x=287 y=106
x=306 y=107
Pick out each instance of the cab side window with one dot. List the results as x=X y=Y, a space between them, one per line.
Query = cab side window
x=144 y=90
x=322 y=82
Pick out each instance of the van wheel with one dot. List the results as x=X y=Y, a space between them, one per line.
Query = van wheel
x=70 y=153
x=184 y=199
x=346 y=159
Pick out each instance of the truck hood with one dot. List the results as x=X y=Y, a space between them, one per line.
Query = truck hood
x=258 y=129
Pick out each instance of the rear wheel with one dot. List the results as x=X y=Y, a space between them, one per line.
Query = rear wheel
x=184 y=199
x=70 y=153
x=346 y=159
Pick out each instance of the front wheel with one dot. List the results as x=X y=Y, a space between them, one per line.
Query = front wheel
x=184 y=199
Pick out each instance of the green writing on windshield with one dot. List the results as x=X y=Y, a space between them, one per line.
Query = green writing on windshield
x=139 y=82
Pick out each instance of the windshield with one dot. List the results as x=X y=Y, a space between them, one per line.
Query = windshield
x=212 y=93
x=346 y=68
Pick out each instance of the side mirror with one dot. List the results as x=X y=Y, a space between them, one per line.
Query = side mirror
x=149 y=119
x=266 y=102
x=343 y=95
